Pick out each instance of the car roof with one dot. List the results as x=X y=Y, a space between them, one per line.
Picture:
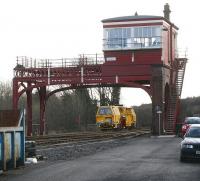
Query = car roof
x=195 y=125
x=192 y=117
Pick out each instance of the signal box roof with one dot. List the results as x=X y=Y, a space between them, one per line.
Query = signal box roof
x=137 y=18
x=129 y=18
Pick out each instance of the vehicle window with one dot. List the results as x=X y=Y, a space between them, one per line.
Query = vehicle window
x=192 y=121
x=105 y=111
x=193 y=132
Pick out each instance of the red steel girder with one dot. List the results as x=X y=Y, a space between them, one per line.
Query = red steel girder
x=81 y=76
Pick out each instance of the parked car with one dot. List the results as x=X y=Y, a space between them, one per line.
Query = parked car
x=188 y=122
x=190 y=146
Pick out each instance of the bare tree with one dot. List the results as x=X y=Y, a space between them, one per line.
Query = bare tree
x=115 y=96
x=108 y=95
x=5 y=95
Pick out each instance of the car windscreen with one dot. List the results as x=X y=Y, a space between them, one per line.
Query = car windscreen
x=193 y=132
x=192 y=121
x=104 y=111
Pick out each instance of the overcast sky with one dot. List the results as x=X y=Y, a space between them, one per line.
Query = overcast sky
x=64 y=28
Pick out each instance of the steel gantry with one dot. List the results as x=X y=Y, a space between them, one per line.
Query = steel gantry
x=138 y=51
x=91 y=71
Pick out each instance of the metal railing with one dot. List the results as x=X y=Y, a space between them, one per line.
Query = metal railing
x=181 y=53
x=83 y=59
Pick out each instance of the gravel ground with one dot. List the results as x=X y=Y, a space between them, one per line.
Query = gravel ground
x=76 y=150
x=137 y=159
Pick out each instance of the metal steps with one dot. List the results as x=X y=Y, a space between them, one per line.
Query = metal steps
x=178 y=71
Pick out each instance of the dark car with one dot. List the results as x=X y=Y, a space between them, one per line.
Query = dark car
x=190 y=146
x=188 y=122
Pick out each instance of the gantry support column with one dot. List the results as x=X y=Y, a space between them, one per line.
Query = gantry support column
x=29 y=110
x=159 y=78
x=15 y=95
x=42 y=95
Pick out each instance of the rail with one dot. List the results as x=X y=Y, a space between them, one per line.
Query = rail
x=83 y=59
x=85 y=136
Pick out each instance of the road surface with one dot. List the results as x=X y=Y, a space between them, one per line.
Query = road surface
x=142 y=159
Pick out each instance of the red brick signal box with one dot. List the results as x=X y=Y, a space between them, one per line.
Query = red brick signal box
x=142 y=51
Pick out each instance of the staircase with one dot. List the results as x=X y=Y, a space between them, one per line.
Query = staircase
x=180 y=74
x=178 y=71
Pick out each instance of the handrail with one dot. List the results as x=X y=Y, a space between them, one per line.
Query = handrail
x=83 y=59
x=181 y=53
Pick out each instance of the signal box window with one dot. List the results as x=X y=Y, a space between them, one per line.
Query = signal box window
x=132 y=38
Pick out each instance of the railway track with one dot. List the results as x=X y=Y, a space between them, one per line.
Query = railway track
x=85 y=136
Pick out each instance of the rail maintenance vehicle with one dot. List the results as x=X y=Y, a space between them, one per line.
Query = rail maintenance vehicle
x=115 y=117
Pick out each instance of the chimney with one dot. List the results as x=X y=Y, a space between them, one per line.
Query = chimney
x=167 y=11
